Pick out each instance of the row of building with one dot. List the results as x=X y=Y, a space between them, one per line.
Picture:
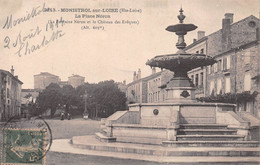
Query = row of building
x=236 y=49
x=13 y=97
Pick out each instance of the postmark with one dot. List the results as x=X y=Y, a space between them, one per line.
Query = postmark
x=26 y=141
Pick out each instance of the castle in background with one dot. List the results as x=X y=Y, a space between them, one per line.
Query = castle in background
x=44 y=79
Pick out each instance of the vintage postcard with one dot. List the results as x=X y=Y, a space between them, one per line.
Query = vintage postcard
x=129 y=82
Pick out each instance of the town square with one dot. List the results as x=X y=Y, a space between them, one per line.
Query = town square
x=130 y=82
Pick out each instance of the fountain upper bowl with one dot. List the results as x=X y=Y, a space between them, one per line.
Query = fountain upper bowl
x=179 y=61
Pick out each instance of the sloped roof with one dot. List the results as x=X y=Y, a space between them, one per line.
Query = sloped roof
x=75 y=75
x=245 y=19
x=46 y=74
x=146 y=78
x=196 y=43
x=30 y=90
x=10 y=74
x=220 y=31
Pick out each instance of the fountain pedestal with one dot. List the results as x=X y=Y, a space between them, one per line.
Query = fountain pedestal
x=180 y=89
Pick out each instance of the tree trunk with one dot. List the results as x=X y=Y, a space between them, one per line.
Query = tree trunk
x=96 y=111
x=52 y=112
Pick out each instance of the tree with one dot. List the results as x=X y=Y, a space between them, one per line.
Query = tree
x=108 y=98
x=50 y=98
x=69 y=97
x=101 y=99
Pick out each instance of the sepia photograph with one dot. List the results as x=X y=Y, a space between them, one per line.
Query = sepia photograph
x=136 y=82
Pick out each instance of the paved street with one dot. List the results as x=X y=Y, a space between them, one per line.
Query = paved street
x=54 y=158
x=66 y=129
x=66 y=154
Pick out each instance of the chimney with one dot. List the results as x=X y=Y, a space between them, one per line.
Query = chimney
x=153 y=70
x=225 y=23
x=194 y=40
x=229 y=16
x=201 y=34
x=12 y=70
x=134 y=78
x=139 y=73
x=226 y=31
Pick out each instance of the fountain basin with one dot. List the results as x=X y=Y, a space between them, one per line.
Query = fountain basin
x=181 y=28
x=154 y=123
x=184 y=62
x=180 y=113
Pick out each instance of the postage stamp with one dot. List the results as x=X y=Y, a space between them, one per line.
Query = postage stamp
x=25 y=142
x=23 y=146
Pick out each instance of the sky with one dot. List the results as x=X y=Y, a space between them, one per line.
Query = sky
x=113 y=52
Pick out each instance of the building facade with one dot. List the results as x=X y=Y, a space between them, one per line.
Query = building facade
x=122 y=86
x=156 y=84
x=237 y=71
x=148 y=89
x=44 y=79
x=76 y=80
x=135 y=92
x=235 y=47
x=198 y=75
x=10 y=95
x=29 y=95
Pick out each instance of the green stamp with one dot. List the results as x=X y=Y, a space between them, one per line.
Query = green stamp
x=23 y=146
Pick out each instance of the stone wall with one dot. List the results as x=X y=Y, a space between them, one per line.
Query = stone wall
x=214 y=43
x=198 y=114
x=238 y=43
x=41 y=82
x=232 y=36
x=249 y=66
x=76 y=81
x=243 y=31
x=244 y=60
x=144 y=92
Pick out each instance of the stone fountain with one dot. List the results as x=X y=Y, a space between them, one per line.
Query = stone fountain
x=172 y=122
x=168 y=131
x=180 y=88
